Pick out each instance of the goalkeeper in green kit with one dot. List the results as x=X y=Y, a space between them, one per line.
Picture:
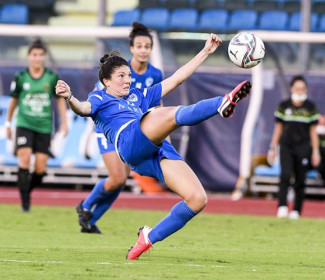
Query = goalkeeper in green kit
x=32 y=91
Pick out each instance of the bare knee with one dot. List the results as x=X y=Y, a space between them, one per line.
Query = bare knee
x=197 y=200
x=115 y=182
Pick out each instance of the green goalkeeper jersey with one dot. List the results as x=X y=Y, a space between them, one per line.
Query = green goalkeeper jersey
x=34 y=100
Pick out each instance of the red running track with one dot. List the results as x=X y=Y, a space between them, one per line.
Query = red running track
x=222 y=205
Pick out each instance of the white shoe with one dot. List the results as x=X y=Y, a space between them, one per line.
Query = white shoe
x=294 y=215
x=236 y=195
x=282 y=212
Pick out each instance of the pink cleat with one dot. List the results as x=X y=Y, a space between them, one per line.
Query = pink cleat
x=231 y=99
x=142 y=246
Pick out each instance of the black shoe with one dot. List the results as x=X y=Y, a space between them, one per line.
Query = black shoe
x=84 y=216
x=25 y=200
x=93 y=229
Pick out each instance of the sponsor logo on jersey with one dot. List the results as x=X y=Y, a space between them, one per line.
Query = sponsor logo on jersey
x=138 y=85
x=133 y=98
x=288 y=111
x=26 y=86
x=149 y=82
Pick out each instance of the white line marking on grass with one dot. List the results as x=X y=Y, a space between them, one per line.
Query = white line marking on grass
x=20 y=261
x=110 y=263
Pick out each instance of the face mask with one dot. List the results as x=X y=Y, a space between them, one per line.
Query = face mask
x=298 y=97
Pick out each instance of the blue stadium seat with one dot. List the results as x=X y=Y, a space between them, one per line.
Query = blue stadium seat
x=155 y=18
x=213 y=20
x=125 y=17
x=70 y=145
x=322 y=24
x=241 y=20
x=295 y=22
x=6 y=156
x=274 y=20
x=183 y=20
x=275 y=171
x=14 y=14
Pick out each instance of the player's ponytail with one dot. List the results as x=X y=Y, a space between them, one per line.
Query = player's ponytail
x=138 y=29
x=108 y=63
x=37 y=44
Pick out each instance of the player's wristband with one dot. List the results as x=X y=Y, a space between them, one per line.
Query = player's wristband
x=68 y=99
x=272 y=148
x=316 y=151
x=7 y=124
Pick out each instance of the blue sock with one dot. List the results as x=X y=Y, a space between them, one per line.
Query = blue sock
x=196 y=113
x=97 y=193
x=103 y=205
x=178 y=216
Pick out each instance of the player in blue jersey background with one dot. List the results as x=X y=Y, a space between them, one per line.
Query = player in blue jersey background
x=143 y=74
x=139 y=134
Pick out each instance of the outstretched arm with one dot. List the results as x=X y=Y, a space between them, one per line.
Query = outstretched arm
x=189 y=68
x=80 y=108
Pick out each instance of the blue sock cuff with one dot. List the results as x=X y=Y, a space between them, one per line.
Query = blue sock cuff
x=188 y=209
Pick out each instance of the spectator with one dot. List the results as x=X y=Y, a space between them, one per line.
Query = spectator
x=32 y=91
x=295 y=131
x=321 y=133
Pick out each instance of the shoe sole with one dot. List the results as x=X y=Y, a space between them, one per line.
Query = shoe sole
x=242 y=91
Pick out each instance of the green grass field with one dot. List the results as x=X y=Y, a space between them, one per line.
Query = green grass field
x=46 y=244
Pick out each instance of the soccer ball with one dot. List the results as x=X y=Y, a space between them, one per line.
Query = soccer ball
x=246 y=50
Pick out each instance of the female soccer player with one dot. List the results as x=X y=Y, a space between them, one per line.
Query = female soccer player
x=32 y=91
x=143 y=75
x=139 y=135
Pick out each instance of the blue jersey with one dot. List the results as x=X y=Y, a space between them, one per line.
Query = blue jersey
x=151 y=77
x=109 y=112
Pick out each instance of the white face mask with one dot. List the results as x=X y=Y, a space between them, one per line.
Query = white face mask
x=298 y=97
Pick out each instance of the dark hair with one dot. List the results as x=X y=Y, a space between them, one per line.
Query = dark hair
x=297 y=78
x=139 y=30
x=108 y=63
x=37 y=44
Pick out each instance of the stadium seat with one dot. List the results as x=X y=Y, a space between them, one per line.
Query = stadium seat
x=295 y=22
x=183 y=20
x=213 y=20
x=240 y=20
x=265 y=5
x=14 y=14
x=273 y=20
x=275 y=171
x=69 y=152
x=207 y=4
x=125 y=17
x=321 y=27
x=156 y=18
x=6 y=146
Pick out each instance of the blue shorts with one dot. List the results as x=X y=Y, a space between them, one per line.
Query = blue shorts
x=104 y=145
x=144 y=157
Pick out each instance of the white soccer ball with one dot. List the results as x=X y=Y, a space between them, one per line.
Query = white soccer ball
x=246 y=50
